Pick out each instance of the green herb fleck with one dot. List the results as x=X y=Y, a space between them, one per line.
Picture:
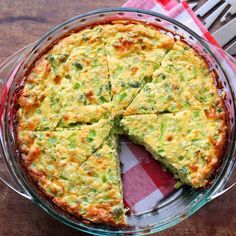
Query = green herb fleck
x=63 y=57
x=92 y=133
x=180 y=157
x=54 y=101
x=67 y=76
x=147 y=79
x=72 y=144
x=89 y=139
x=104 y=179
x=195 y=73
x=93 y=190
x=100 y=90
x=195 y=141
x=123 y=84
x=102 y=99
x=170 y=67
x=85 y=37
x=39 y=111
x=196 y=113
x=186 y=48
x=162 y=76
x=52 y=61
x=117 y=212
x=78 y=66
x=63 y=177
x=178 y=185
x=85 y=199
x=135 y=84
x=76 y=85
x=122 y=97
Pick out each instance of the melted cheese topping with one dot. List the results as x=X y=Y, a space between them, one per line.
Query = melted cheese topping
x=158 y=89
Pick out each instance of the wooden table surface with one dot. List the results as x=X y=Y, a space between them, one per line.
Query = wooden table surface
x=24 y=21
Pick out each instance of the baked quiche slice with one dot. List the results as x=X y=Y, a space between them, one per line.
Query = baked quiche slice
x=78 y=169
x=182 y=82
x=189 y=143
x=69 y=84
x=133 y=51
x=95 y=189
x=86 y=95
x=44 y=152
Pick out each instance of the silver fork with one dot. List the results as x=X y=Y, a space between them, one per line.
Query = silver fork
x=226 y=34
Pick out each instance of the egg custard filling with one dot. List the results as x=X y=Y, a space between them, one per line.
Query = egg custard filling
x=117 y=78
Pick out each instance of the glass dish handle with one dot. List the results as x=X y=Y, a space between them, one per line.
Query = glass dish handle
x=230 y=184
x=7 y=70
x=9 y=179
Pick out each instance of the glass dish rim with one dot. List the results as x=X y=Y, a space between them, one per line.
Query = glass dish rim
x=84 y=227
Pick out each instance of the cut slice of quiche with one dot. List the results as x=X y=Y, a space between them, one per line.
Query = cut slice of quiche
x=183 y=81
x=69 y=84
x=134 y=51
x=94 y=190
x=44 y=152
x=86 y=97
x=79 y=169
x=189 y=143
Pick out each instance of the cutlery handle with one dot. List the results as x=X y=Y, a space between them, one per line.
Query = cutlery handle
x=213 y=14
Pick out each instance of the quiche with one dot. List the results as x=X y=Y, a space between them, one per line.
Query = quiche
x=188 y=142
x=133 y=53
x=182 y=82
x=81 y=177
x=119 y=77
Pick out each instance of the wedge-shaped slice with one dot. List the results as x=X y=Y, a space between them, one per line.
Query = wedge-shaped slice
x=133 y=52
x=86 y=97
x=85 y=74
x=93 y=191
x=45 y=151
x=72 y=78
x=85 y=114
x=78 y=171
x=160 y=97
x=189 y=143
x=182 y=82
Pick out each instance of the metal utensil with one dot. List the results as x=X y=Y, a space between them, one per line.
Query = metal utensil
x=218 y=10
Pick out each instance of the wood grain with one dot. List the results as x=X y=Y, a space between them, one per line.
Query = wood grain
x=22 y=22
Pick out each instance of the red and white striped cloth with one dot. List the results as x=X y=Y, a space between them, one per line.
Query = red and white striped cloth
x=145 y=183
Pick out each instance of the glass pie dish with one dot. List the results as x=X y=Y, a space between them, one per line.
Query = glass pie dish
x=173 y=209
